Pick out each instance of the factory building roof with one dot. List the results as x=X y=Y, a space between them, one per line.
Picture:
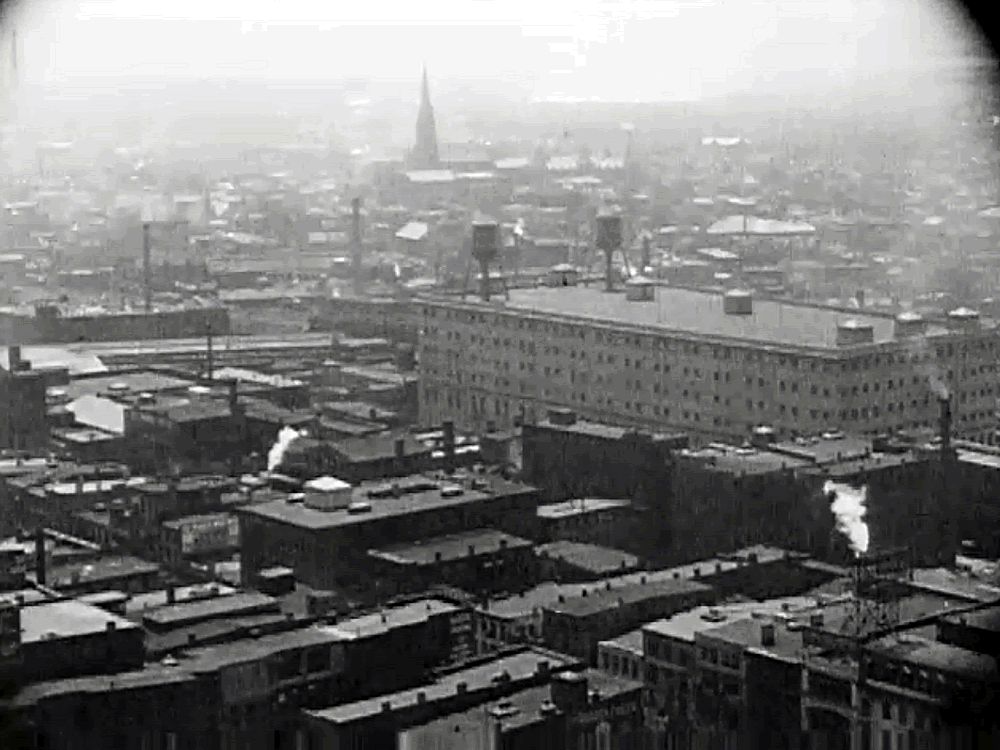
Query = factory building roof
x=580 y=507
x=935 y=655
x=519 y=666
x=631 y=642
x=406 y=615
x=417 y=494
x=603 y=600
x=589 y=557
x=450 y=547
x=152 y=676
x=104 y=569
x=125 y=383
x=67 y=619
x=700 y=313
x=173 y=615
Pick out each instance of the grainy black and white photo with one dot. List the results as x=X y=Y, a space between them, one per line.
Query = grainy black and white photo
x=499 y=375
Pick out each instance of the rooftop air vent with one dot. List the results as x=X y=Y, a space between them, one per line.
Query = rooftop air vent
x=854 y=332
x=737 y=302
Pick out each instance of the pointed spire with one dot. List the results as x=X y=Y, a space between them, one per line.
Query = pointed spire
x=425 y=151
x=425 y=90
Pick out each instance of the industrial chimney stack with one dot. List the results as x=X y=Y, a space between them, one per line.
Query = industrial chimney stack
x=947 y=540
x=356 y=239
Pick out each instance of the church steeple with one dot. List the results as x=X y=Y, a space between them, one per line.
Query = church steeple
x=425 y=151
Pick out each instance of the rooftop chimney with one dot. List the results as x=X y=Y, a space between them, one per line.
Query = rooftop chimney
x=40 y=572
x=14 y=357
x=356 y=241
x=860 y=297
x=171 y=595
x=400 y=446
x=449 y=446
x=767 y=634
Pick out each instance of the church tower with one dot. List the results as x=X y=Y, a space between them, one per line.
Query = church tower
x=425 y=151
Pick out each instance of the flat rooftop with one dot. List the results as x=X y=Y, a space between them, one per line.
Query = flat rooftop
x=450 y=547
x=211 y=658
x=631 y=642
x=700 y=313
x=109 y=569
x=414 y=613
x=936 y=655
x=605 y=599
x=589 y=557
x=684 y=625
x=126 y=383
x=67 y=619
x=429 y=497
x=548 y=593
x=519 y=665
x=580 y=507
x=206 y=609
x=152 y=676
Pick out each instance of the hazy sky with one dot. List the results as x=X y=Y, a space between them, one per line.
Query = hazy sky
x=638 y=49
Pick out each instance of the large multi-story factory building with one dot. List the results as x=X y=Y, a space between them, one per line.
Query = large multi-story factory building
x=714 y=365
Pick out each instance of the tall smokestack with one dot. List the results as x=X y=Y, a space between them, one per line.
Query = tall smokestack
x=947 y=541
x=209 y=363
x=356 y=240
x=647 y=260
x=146 y=270
x=40 y=574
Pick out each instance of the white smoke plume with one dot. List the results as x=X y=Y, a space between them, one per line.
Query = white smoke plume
x=276 y=455
x=848 y=507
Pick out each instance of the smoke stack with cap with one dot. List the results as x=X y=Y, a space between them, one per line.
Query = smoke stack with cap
x=356 y=240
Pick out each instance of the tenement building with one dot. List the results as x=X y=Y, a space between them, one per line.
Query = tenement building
x=710 y=364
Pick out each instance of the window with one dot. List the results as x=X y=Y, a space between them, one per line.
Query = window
x=886 y=739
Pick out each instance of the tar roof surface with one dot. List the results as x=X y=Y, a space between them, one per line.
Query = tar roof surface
x=631 y=642
x=208 y=608
x=451 y=547
x=937 y=655
x=519 y=666
x=297 y=514
x=605 y=599
x=544 y=594
x=684 y=625
x=577 y=507
x=211 y=658
x=377 y=623
x=97 y=570
x=701 y=313
x=67 y=619
x=589 y=557
x=151 y=676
